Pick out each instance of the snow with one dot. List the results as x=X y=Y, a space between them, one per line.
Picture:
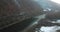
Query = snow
x=50 y=29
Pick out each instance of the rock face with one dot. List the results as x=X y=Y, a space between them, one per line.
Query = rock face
x=14 y=11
